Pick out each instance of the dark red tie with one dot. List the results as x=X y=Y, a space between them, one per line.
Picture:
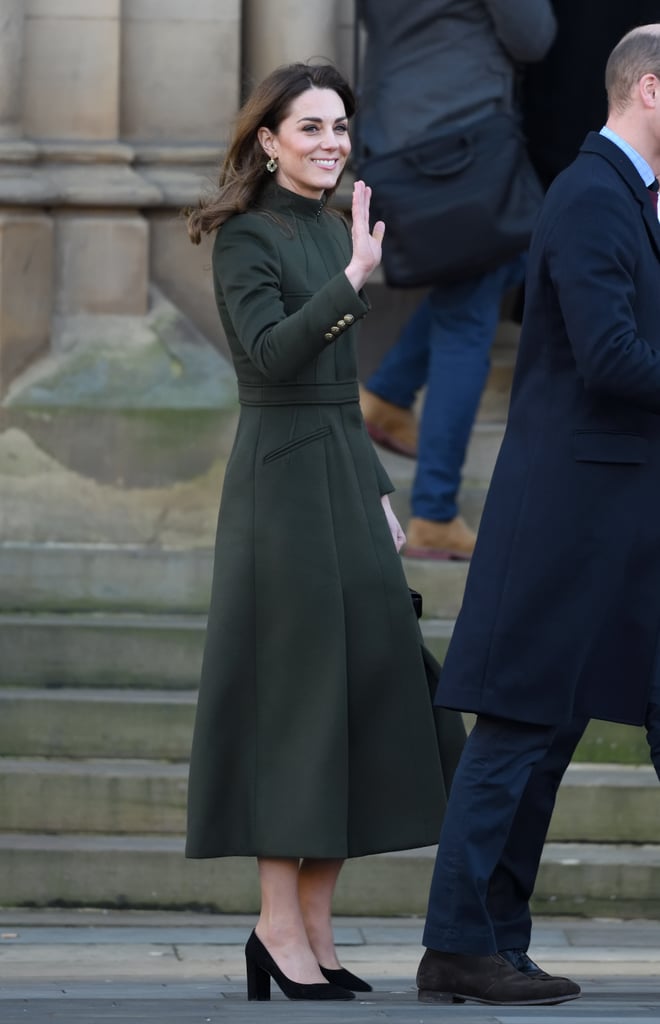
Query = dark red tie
x=653 y=189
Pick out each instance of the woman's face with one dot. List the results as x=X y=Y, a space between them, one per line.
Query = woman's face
x=311 y=144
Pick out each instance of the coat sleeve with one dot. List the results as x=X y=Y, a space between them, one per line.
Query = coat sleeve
x=247 y=270
x=592 y=253
x=525 y=28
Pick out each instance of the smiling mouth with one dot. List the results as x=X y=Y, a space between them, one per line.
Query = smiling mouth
x=328 y=165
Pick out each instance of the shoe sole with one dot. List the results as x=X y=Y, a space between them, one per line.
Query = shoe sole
x=434 y=554
x=429 y=996
x=386 y=440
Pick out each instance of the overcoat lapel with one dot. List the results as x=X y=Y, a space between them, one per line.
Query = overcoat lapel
x=596 y=143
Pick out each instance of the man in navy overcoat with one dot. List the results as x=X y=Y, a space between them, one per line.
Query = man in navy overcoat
x=561 y=615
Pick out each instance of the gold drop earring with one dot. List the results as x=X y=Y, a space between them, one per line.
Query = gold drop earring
x=271 y=165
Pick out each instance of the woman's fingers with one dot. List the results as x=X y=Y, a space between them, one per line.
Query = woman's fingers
x=361 y=207
x=379 y=231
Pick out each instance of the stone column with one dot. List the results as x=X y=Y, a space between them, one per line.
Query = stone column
x=11 y=58
x=290 y=30
x=179 y=70
x=71 y=76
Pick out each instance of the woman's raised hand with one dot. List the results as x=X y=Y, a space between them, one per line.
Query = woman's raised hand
x=367 y=245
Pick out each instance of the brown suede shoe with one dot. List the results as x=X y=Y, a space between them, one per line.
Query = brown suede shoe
x=452 y=541
x=455 y=977
x=389 y=425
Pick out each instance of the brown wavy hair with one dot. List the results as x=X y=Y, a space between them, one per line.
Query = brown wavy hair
x=243 y=170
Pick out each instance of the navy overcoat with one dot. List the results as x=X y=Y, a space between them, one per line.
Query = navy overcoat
x=562 y=604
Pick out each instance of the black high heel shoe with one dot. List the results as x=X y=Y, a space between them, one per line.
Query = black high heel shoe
x=340 y=976
x=261 y=968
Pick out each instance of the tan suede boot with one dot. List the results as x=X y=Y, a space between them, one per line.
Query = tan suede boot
x=389 y=425
x=449 y=541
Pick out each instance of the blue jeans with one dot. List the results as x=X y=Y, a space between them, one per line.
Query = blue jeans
x=445 y=345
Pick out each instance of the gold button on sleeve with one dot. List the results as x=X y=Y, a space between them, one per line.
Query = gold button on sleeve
x=342 y=324
x=329 y=337
x=335 y=330
x=349 y=318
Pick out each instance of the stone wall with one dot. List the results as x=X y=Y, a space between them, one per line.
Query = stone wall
x=113 y=117
x=113 y=113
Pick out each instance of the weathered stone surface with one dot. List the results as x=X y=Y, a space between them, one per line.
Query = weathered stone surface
x=180 y=71
x=91 y=9
x=183 y=271
x=345 y=46
x=159 y=361
x=120 y=435
x=71 y=69
x=291 y=30
x=195 y=10
x=101 y=264
x=43 y=501
x=11 y=56
x=26 y=271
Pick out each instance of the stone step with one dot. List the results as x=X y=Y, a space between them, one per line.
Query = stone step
x=100 y=649
x=157 y=724
x=151 y=872
x=605 y=803
x=90 y=578
x=114 y=797
x=84 y=723
x=596 y=803
x=65 y=577
x=105 y=650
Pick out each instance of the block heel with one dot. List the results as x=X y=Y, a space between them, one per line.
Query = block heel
x=261 y=968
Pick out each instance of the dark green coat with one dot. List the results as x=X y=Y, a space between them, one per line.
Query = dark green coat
x=314 y=733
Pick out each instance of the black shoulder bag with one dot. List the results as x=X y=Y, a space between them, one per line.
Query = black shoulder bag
x=460 y=203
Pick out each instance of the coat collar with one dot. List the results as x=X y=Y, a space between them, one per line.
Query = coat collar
x=274 y=197
x=596 y=143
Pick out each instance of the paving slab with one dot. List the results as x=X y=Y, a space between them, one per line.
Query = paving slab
x=84 y=967
x=395 y=1004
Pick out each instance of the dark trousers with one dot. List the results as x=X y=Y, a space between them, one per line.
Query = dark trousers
x=512 y=882
x=501 y=759
x=498 y=815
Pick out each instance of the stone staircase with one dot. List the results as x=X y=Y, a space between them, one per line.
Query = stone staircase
x=100 y=649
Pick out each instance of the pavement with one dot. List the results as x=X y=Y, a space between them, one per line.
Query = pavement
x=88 y=966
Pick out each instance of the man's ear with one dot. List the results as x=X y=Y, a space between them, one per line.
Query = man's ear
x=649 y=89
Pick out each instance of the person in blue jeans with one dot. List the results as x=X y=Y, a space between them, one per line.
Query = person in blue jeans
x=428 y=65
x=444 y=346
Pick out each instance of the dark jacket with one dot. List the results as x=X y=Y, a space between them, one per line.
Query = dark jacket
x=431 y=62
x=562 y=604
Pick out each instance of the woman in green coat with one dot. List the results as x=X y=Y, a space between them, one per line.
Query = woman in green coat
x=314 y=735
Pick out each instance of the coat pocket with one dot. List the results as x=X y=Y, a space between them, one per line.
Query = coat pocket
x=295 y=443
x=603 y=446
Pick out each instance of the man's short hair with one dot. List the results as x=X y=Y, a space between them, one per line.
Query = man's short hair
x=637 y=54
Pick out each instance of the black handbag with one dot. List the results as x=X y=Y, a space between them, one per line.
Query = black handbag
x=449 y=726
x=416 y=599
x=459 y=204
